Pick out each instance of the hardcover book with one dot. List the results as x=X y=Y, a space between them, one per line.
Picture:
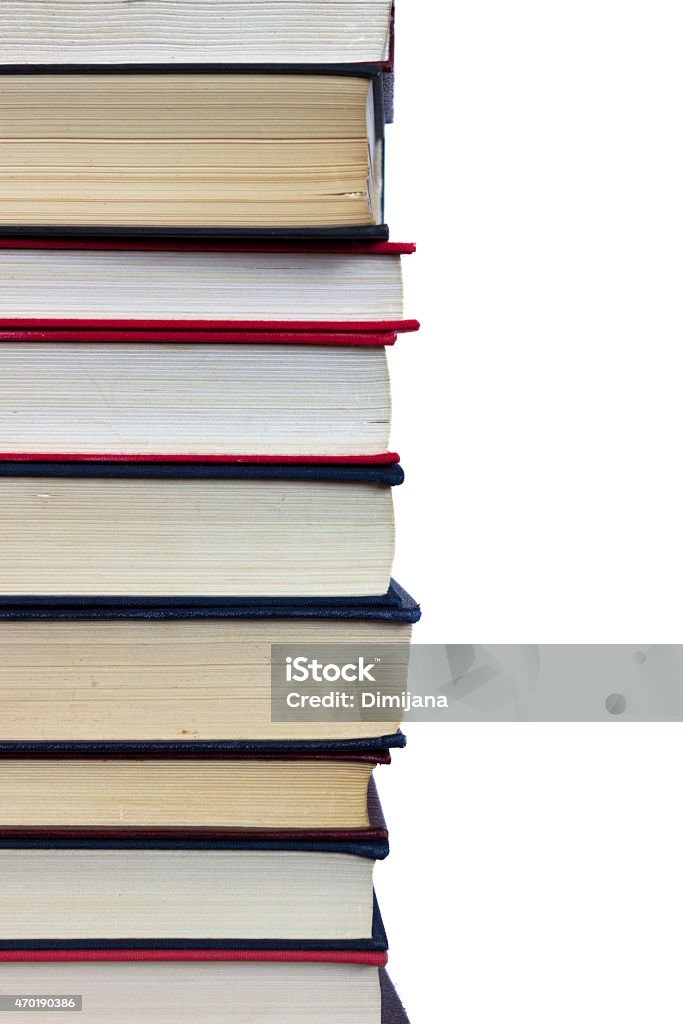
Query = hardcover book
x=158 y=990
x=352 y=839
x=227 y=403
x=165 y=676
x=104 y=529
x=290 y=793
x=192 y=153
x=135 y=895
x=61 y=289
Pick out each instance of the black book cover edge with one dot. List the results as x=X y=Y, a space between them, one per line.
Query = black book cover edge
x=365 y=69
x=376 y=943
x=385 y=475
x=359 y=233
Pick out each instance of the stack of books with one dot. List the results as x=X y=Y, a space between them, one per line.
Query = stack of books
x=197 y=292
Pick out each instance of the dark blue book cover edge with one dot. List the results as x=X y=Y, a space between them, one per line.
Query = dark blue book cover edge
x=200 y=748
x=394 y=606
x=384 y=475
x=370 y=850
x=393 y=1010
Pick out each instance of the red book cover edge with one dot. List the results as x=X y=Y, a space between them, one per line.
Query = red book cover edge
x=103 y=335
x=344 y=331
x=151 y=245
x=361 y=835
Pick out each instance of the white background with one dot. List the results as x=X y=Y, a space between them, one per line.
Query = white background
x=537 y=159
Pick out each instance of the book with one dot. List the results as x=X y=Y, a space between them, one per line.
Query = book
x=165 y=677
x=194 y=152
x=171 y=895
x=157 y=529
x=48 y=792
x=299 y=987
x=65 y=289
x=353 y=840
x=262 y=992
x=265 y=403
x=243 y=402
x=194 y=31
